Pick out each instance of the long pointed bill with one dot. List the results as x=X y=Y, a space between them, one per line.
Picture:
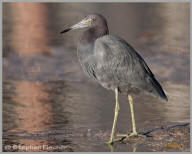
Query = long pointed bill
x=82 y=24
x=66 y=30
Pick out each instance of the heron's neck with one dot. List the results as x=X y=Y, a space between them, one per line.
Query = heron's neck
x=90 y=35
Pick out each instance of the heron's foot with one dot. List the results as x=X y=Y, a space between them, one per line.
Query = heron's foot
x=124 y=136
x=136 y=135
x=112 y=142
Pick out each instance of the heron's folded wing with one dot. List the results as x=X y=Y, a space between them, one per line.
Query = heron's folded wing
x=121 y=63
x=115 y=56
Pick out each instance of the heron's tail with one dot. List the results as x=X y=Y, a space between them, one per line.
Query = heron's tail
x=158 y=90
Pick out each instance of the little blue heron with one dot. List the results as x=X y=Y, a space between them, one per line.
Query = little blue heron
x=113 y=63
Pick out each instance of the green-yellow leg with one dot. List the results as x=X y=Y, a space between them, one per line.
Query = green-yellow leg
x=132 y=115
x=115 y=117
x=134 y=133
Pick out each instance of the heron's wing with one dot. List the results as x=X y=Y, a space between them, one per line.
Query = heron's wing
x=115 y=56
x=119 y=62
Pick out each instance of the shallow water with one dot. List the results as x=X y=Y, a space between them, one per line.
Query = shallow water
x=47 y=99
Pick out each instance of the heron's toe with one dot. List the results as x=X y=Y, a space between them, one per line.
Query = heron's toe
x=110 y=142
x=131 y=136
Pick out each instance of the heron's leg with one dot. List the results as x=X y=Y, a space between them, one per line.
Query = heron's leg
x=134 y=133
x=132 y=115
x=115 y=117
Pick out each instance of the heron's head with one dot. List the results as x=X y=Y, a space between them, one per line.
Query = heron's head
x=90 y=21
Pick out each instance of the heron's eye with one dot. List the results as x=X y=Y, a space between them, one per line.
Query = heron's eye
x=89 y=21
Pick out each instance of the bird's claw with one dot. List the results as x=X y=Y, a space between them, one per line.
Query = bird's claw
x=112 y=142
x=109 y=142
x=136 y=135
x=123 y=136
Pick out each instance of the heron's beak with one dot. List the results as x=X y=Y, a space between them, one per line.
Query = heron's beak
x=82 y=24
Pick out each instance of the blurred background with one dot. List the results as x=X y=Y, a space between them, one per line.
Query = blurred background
x=47 y=99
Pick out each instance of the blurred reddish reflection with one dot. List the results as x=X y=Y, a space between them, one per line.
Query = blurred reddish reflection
x=30 y=36
x=34 y=114
x=29 y=30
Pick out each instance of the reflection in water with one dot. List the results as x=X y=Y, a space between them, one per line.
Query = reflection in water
x=48 y=94
x=33 y=112
x=29 y=32
x=30 y=36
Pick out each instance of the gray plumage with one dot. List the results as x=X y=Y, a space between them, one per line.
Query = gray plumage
x=113 y=63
